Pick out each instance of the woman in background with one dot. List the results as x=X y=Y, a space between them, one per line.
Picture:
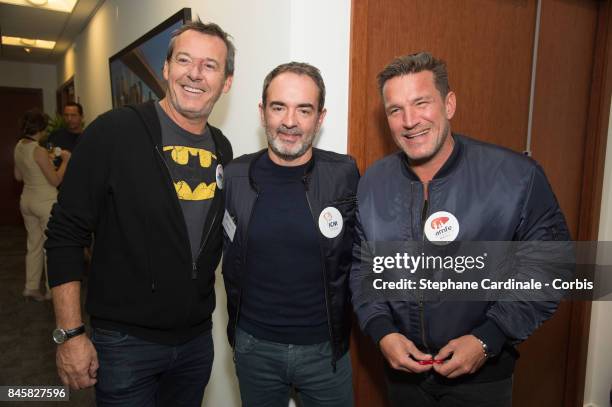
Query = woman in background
x=34 y=166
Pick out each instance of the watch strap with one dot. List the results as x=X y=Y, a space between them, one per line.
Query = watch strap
x=71 y=333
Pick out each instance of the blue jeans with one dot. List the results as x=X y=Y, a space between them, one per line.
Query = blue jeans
x=267 y=371
x=134 y=372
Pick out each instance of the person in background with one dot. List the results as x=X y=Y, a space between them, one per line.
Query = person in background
x=33 y=166
x=67 y=137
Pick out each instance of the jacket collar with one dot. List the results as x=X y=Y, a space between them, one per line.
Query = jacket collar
x=449 y=166
x=148 y=116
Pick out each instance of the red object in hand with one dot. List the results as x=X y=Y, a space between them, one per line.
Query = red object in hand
x=430 y=362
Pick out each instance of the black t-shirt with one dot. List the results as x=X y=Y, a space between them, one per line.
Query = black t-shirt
x=64 y=139
x=192 y=162
x=284 y=297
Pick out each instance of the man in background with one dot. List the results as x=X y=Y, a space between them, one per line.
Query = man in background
x=67 y=137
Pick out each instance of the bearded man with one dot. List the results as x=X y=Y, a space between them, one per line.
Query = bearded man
x=288 y=233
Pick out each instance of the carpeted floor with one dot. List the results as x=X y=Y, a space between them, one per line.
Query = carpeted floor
x=27 y=353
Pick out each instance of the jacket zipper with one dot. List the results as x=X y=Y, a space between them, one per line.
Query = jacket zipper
x=194 y=270
x=246 y=239
x=329 y=326
x=424 y=211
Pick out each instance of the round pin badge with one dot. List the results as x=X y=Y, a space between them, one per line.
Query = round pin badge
x=330 y=222
x=441 y=228
x=219 y=176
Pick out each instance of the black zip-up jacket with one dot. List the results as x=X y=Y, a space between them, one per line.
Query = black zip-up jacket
x=329 y=180
x=143 y=280
x=496 y=195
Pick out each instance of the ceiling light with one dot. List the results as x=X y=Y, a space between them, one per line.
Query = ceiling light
x=27 y=42
x=65 y=6
x=28 y=50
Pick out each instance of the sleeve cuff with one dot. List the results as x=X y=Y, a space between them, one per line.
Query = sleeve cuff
x=64 y=265
x=490 y=334
x=378 y=327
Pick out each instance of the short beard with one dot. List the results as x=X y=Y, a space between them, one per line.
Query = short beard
x=289 y=156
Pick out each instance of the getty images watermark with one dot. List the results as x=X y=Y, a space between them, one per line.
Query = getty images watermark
x=483 y=271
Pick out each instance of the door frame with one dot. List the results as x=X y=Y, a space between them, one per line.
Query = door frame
x=590 y=207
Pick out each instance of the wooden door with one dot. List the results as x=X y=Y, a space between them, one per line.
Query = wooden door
x=489 y=49
x=15 y=102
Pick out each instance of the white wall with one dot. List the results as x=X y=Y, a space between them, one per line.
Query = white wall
x=27 y=75
x=66 y=67
x=320 y=33
x=266 y=33
x=599 y=360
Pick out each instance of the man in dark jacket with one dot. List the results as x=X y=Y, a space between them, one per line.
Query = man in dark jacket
x=145 y=182
x=287 y=252
x=443 y=187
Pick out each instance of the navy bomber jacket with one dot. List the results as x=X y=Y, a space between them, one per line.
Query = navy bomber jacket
x=496 y=195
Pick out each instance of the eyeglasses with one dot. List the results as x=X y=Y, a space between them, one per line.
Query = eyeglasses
x=188 y=62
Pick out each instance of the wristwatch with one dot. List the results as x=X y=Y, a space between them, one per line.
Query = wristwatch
x=62 y=335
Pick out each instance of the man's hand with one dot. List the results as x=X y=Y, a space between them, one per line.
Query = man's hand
x=77 y=362
x=467 y=357
x=402 y=354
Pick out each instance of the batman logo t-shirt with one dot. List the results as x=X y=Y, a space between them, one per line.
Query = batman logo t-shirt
x=192 y=162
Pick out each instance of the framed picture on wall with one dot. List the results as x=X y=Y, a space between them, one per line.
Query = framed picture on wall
x=136 y=70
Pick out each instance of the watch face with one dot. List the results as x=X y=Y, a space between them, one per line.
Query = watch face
x=59 y=336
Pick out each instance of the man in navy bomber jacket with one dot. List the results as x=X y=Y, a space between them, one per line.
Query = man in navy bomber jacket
x=443 y=187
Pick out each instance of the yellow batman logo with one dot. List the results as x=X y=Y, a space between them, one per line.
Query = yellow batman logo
x=180 y=155
x=200 y=193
